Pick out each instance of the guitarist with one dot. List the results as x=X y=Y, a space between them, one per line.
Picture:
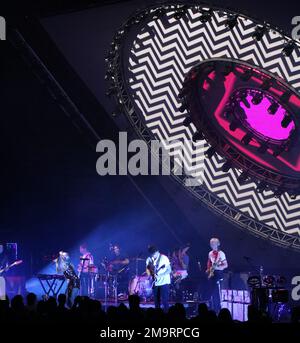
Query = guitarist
x=3 y=258
x=215 y=265
x=3 y=266
x=159 y=267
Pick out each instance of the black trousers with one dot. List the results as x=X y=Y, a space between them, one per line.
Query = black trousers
x=161 y=296
x=71 y=293
x=214 y=288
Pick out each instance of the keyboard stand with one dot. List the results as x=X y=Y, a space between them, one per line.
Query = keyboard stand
x=50 y=286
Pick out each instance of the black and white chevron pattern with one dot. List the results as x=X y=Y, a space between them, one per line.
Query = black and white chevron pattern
x=160 y=57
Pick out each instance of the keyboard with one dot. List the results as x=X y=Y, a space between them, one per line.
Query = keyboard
x=51 y=277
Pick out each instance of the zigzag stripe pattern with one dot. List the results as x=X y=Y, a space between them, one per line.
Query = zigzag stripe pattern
x=161 y=55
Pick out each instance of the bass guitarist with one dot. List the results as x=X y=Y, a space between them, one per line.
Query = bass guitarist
x=159 y=267
x=215 y=266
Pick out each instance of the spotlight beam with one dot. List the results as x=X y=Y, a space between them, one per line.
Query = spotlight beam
x=288 y=48
x=259 y=32
x=231 y=21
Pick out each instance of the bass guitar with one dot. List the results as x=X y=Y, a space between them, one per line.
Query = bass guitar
x=5 y=269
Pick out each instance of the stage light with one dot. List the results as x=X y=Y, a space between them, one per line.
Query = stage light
x=261 y=187
x=228 y=113
x=178 y=15
x=227 y=69
x=117 y=38
x=160 y=12
x=293 y=196
x=205 y=16
x=197 y=136
x=246 y=76
x=187 y=121
x=118 y=110
x=183 y=107
x=278 y=192
x=138 y=19
x=279 y=150
x=243 y=178
x=247 y=138
x=273 y=108
x=107 y=76
x=257 y=98
x=234 y=125
x=245 y=102
x=180 y=12
x=263 y=148
x=210 y=152
x=109 y=73
x=231 y=21
x=129 y=23
x=111 y=54
x=289 y=48
x=266 y=85
x=209 y=68
x=226 y=166
x=286 y=120
x=285 y=97
x=259 y=32
x=184 y=91
x=111 y=90
x=243 y=98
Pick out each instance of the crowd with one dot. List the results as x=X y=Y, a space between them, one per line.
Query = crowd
x=85 y=310
x=31 y=309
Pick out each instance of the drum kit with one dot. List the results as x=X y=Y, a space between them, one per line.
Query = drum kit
x=269 y=292
x=105 y=285
x=108 y=282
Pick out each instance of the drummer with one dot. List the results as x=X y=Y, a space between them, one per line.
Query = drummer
x=118 y=261
x=180 y=259
x=180 y=265
x=119 y=265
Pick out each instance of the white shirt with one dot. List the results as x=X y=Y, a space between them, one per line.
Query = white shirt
x=83 y=266
x=163 y=274
x=219 y=258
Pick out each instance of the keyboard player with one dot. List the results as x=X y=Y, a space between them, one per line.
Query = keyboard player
x=64 y=265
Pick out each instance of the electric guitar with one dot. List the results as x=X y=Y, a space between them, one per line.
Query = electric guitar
x=211 y=270
x=150 y=270
x=5 y=269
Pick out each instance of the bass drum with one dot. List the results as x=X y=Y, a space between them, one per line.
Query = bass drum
x=142 y=286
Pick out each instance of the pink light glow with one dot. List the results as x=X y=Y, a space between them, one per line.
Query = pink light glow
x=236 y=136
x=264 y=123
